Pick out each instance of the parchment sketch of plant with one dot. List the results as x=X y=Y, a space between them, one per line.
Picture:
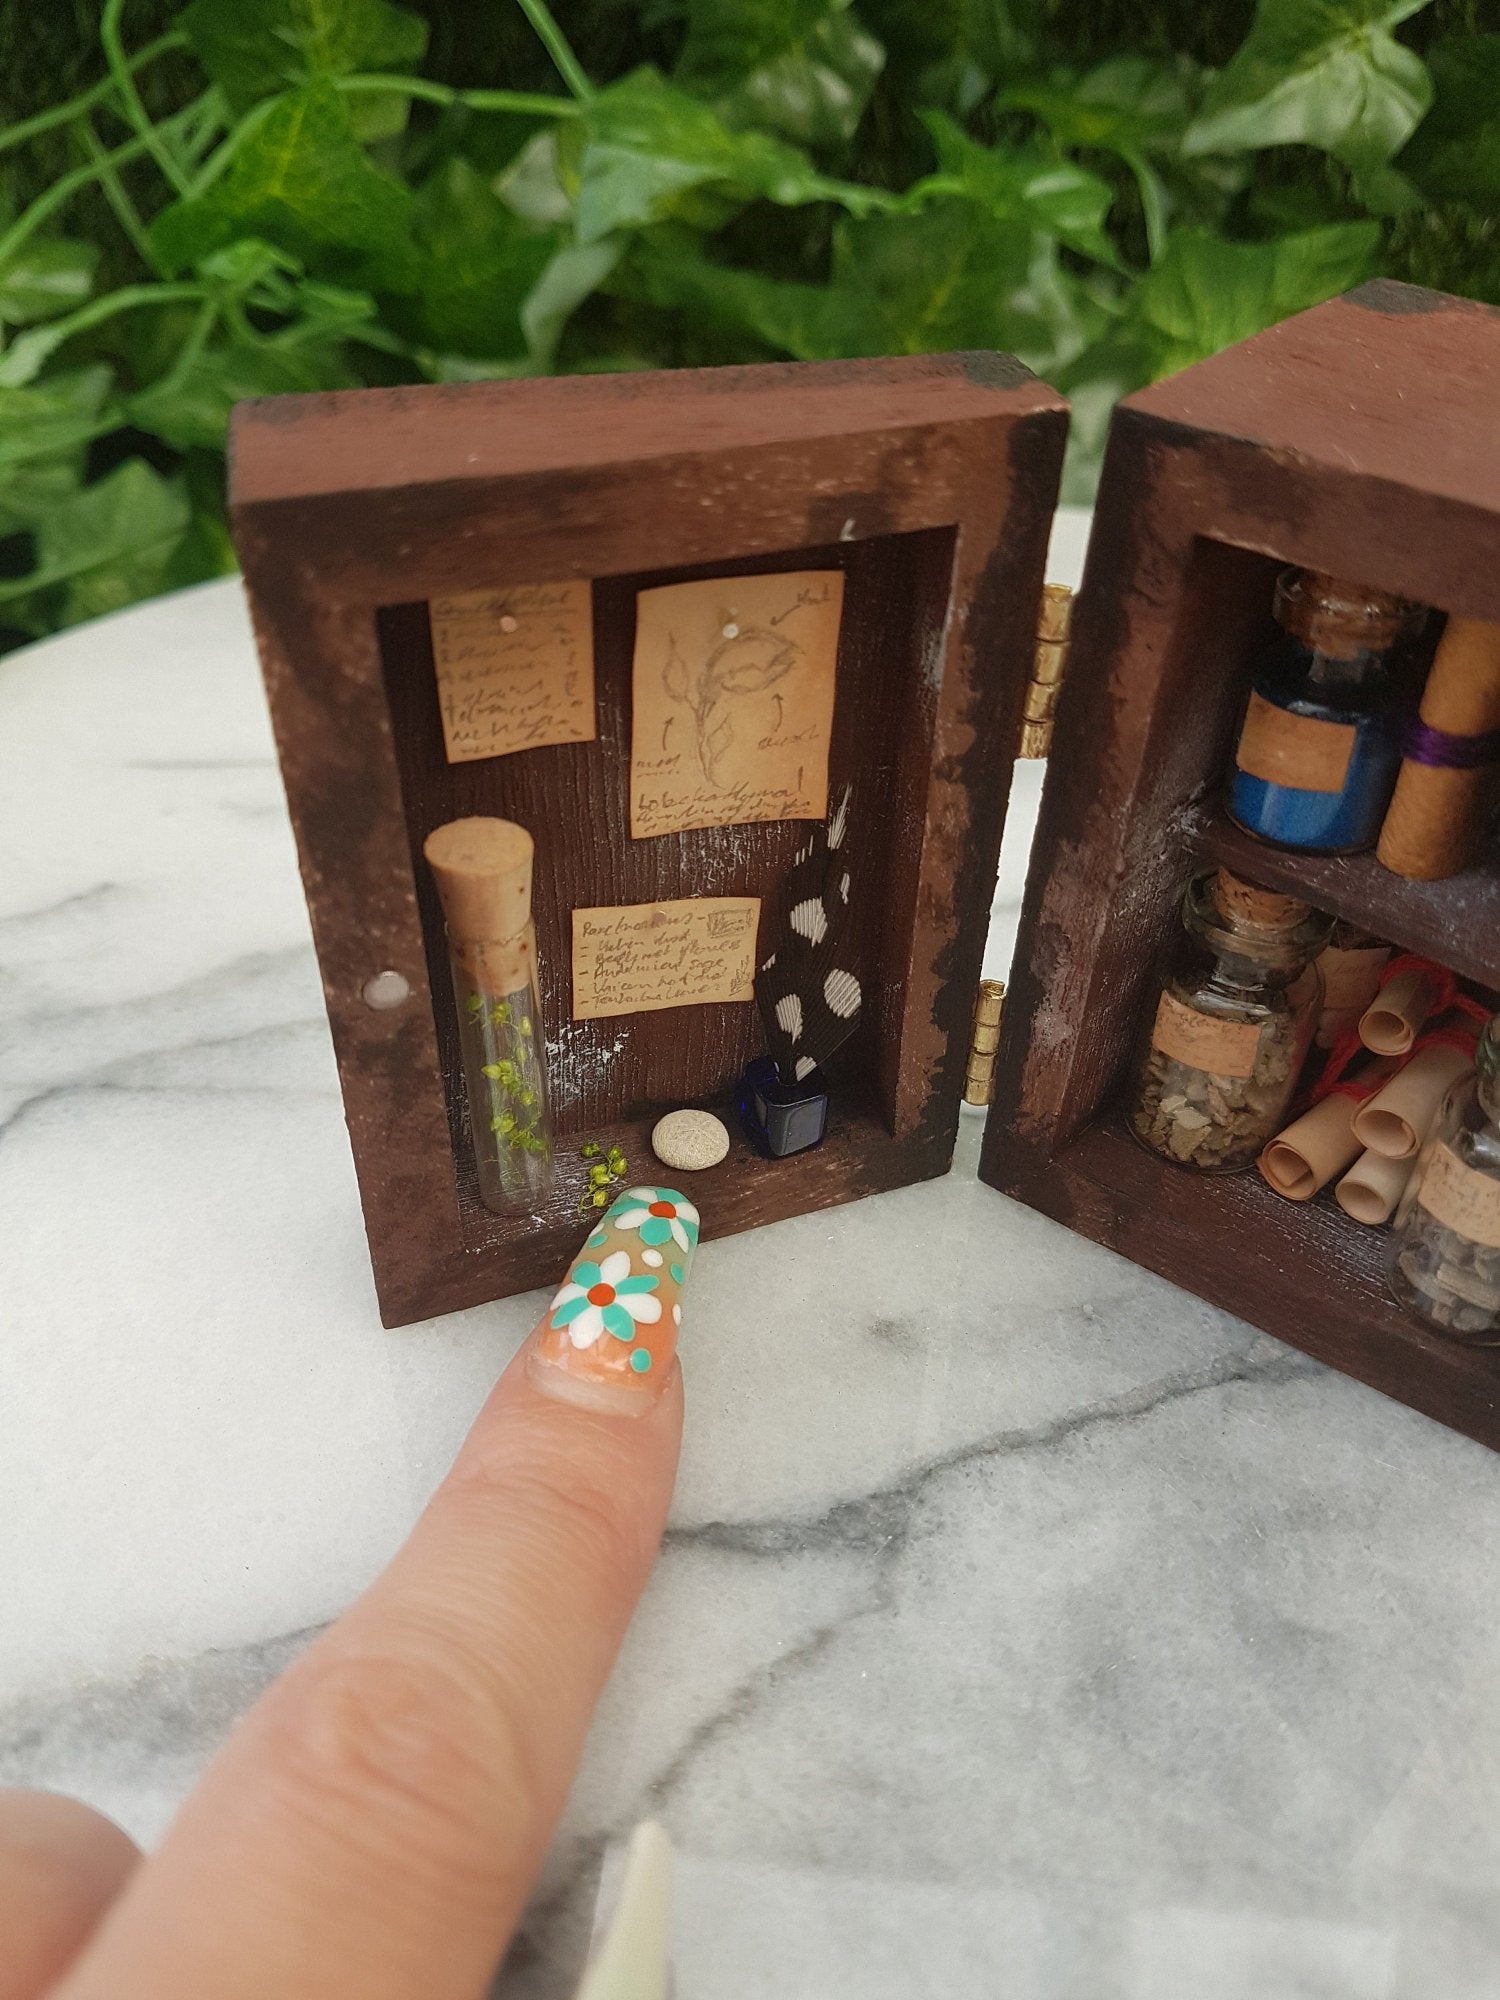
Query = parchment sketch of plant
x=748 y=663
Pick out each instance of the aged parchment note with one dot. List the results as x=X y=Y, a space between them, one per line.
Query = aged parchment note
x=515 y=668
x=732 y=701
x=642 y=956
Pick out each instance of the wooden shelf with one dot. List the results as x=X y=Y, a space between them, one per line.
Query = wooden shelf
x=1303 y=1271
x=1456 y=922
x=859 y=1155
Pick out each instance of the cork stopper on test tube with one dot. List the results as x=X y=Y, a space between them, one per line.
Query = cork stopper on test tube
x=482 y=868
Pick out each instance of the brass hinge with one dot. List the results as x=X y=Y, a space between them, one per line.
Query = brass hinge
x=1046 y=670
x=979 y=1083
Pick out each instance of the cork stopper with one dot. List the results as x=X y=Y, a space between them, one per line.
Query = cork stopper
x=482 y=868
x=1337 y=618
x=1244 y=907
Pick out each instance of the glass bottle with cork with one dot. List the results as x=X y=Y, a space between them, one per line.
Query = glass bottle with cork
x=1228 y=1026
x=1320 y=744
x=1445 y=1261
x=482 y=868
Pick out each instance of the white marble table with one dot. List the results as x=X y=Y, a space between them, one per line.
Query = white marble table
x=1047 y=1636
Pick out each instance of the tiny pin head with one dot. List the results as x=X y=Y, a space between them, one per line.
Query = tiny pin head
x=507 y=623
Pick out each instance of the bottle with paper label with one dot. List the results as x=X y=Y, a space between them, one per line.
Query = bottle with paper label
x=1320 y=744
x=1445 y=1261
x=1228 y=1025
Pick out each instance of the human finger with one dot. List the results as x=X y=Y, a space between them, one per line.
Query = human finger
x=61 y=1865
x=374 y=1826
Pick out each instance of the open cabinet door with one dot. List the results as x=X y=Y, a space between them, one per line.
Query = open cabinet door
x=924 y=488
x=1361 y=438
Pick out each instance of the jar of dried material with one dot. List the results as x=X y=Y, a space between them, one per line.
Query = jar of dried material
x=1445 y=1264
x=1228 y=1026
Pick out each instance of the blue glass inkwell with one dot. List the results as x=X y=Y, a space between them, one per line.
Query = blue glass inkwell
x=780 y=1118
x=1320 y=745
x=809 y=1003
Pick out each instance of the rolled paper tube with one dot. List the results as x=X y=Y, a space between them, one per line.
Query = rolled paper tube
x=1312 y=1149
x=1397 y=1014
x=1369 y=1192
x=1394 y=1120
x=1436 y=816
x=1351 y=980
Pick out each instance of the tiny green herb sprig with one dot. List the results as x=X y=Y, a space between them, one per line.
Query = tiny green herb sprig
x=606 y=1167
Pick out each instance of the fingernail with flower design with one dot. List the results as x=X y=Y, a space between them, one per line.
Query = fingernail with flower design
x=610 y=1334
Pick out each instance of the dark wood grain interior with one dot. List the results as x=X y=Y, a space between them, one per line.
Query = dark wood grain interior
x=625 y=1071
x=1344 y=441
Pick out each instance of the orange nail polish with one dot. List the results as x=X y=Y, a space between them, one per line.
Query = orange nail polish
x=610 y=1334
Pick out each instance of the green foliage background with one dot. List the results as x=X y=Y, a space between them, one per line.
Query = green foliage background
x=240 y=197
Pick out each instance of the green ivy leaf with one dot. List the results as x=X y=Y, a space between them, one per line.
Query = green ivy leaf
x=1455 y=152
x=1206 y=292
x=191 y=407
x=474 y=264
x=102 y=546
x=1325 y=73
x=802 y=68
x=949 y=277
x=1133 y=107
x=573 y=272
x=256 y=48
x=302 y=182
x=51 y=417
x=45 y=277
x=1129 y=105
x=646 y=145
x=1022 y=184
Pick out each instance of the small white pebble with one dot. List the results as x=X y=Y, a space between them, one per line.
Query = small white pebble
x=689 y=1140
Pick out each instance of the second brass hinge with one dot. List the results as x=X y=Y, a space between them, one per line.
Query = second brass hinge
x=1048 y=664
x=979 y=1082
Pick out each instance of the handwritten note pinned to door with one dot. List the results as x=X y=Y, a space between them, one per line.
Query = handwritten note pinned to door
x=515 y=668
x=643 y=956
x=732 y=700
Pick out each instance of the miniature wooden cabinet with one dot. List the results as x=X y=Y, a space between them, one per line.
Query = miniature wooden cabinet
x=929 y=483
x=1363 y=439
x=1360 y=438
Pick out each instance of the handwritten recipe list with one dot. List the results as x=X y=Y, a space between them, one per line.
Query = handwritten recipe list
x=515 y=668
x=644 y=956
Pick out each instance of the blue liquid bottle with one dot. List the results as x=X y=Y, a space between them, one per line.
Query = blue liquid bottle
x=1320 y=745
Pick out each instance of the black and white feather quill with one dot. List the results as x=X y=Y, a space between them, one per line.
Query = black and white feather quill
x=809 y=999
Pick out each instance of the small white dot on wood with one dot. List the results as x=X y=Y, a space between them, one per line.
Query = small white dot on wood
x=507 y=623
x=731 y=630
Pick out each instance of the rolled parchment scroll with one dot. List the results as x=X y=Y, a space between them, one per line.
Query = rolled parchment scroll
x=1396 y=1118
x=1400 y=1010
x=1319 y=1144
x=1369 y=1192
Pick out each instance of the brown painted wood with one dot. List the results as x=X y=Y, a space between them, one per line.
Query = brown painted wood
x=1360 y=438
x=929 y=481
x=1302 y=1271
